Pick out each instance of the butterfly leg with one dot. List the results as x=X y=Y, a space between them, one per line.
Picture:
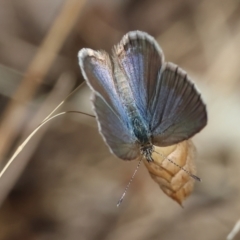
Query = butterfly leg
x=146 y=151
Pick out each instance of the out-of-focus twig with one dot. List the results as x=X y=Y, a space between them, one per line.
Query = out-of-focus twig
x=37 y=70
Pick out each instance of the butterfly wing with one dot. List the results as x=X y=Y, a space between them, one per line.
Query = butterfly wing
x=179 y=110
x=115 y=133
x=96 y=67
x=112 y=119
x=164 y=95
x=140 y=58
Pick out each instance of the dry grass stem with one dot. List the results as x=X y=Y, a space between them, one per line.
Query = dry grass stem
x=36 y=71
x=61 y=89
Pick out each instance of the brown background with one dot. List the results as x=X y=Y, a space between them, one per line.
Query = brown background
x=65 y=183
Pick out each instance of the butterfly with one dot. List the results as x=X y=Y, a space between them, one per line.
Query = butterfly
x=139 y=99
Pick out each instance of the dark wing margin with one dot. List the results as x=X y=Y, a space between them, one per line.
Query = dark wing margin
x=179 y=110
x=115 y=133
x=140 y=58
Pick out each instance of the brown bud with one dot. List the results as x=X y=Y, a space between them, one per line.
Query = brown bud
x=173 y=180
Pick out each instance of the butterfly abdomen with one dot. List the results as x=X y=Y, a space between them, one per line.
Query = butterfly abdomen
x=140 y=130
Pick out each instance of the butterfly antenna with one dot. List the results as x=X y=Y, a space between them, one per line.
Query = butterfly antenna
x=130 y=181
x=186 y=171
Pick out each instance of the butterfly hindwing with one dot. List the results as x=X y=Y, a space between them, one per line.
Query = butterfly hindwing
x=116 y=134
x=179 y=110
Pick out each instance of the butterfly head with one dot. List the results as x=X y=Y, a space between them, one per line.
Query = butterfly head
x=146 y=151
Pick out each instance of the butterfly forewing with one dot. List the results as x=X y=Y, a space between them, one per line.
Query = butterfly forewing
x=179 y=112
x=97 y=69
x=140 y=58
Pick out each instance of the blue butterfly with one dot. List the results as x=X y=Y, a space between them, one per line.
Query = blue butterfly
x=140 y=100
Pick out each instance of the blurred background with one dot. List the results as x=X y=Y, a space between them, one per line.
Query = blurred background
x=65 y=184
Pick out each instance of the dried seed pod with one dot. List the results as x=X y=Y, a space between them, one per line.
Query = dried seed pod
x=174 y=182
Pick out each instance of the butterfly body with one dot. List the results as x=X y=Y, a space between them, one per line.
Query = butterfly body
x=140 y=100
x=139 y=127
